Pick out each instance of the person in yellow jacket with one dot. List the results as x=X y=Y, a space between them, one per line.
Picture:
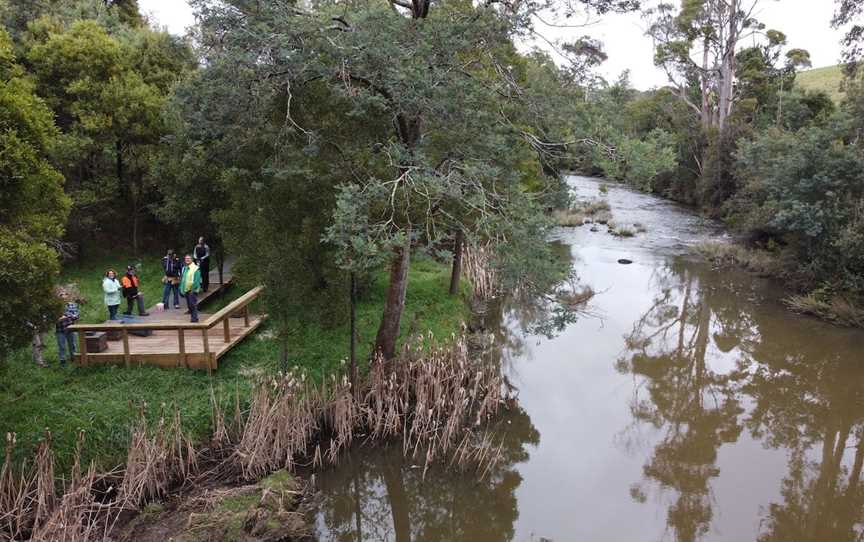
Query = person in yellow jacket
x=190 y=285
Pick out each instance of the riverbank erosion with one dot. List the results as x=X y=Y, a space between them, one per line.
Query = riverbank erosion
x=275 y=509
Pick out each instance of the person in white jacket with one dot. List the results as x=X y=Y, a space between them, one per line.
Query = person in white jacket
x=111 y=287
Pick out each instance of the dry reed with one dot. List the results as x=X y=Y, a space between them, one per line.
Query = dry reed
x=477 y=264
x=434 y=398
x=722 y=254
x=833 y=308
x=431 y=399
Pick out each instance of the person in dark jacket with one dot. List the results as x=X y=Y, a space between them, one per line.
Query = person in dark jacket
x=171 y=266
x=201 y=255
x=66 y=338
x=130 y=292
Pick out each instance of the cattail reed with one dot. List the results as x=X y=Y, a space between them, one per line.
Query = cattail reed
x=430 y=399
x=435 y=399
x=477 y=263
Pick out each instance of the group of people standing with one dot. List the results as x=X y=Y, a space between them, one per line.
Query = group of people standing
x=185 y=278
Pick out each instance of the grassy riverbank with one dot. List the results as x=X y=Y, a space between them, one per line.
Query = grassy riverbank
x=103 y=401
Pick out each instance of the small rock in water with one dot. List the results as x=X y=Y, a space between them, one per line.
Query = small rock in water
x=625 y=261
x=595 y=228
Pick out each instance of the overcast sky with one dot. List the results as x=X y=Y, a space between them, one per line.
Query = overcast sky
x=806 y=23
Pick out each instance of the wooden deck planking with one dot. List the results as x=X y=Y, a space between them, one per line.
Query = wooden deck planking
x=162 y=348
x=173 y=347
x=167 y=341
x=215 y=288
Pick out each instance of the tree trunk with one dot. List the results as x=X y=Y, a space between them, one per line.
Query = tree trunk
x=127 y=191
x=353 y=346
x=358 y=523
x=705 y=88
x=398 y=500
x=780 y=105
x=419 y=9
x=135 y=227
x=38 y=348
x=118 y=150
x=727 y=67
x=858 y=463
x=456 y=273
x=388 y=332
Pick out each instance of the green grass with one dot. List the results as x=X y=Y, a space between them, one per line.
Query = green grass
x=103 y=401
x=827 y=79
x=88 y=277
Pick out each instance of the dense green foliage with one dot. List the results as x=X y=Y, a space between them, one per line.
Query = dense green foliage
x=808 y=188
x=33 y=208
x=383 y=132
x=849 y=15
x=307 y=145
x=106 y=77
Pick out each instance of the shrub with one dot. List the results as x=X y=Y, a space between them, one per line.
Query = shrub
x=807 y=188
x=760 y=262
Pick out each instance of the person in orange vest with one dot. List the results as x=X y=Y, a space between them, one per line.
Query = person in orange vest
x=130 y=292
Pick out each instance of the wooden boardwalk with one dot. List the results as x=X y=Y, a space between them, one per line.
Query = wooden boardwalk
x=175 y=341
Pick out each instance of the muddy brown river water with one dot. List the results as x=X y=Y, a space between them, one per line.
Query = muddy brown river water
x=690 y=406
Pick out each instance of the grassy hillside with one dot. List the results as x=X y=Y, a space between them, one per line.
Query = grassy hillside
x=827 y=79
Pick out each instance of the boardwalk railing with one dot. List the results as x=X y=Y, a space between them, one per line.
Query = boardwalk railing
x=238 y=306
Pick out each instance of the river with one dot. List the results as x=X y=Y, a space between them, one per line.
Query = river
x=689 y=405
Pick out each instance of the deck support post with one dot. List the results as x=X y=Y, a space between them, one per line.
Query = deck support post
x=82 y=347
x=206 y=349
x=181 y=340
x=126 y=357
x=161 y=350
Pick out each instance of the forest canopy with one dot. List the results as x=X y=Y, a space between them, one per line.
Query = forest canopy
x=337 y=139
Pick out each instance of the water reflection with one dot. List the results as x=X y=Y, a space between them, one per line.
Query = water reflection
x=377 y=495
x=694 y=405
x=697 y=409
x=808 y=400
x=711 y=362
x=540 y=313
